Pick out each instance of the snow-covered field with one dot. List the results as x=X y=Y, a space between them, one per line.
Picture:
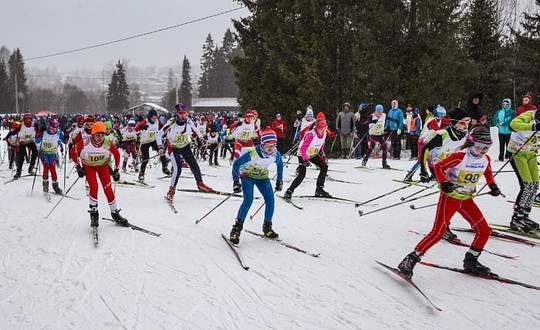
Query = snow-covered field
x=52 y=276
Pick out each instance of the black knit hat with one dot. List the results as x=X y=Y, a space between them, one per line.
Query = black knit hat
x=457 y=114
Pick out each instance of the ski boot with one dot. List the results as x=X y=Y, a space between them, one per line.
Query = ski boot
x=17 y=175
x=268 y=231
x=531 y=223
x=94 y=216
x=56 y=189
x=288 y=194
x=135 y=166
x=166 y=171
x=118 y=218
x=471 y=264
x=364 y=161
x=407 y=264
x=141 y=177
x=320 y=192
x=46 y=185
x=124 y=167
x=518 y=222
x=449 y=235
x=31 y=171
x=170 y=194
x=203 y=187
x=235 y=232
x=385 y=165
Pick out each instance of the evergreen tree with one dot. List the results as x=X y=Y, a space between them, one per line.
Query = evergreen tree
x=118 y=91
x=17 y=80
x=4 y=88
x=185 y=94
x=171 y=80
x=528 y=55
x=485 y=71
x=206 y=85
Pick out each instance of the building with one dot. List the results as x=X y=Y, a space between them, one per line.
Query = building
x=216 y=104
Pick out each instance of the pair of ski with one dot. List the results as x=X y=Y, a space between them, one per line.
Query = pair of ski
x=330 y=199
x=49 y=199
x=15 y=179
x=234 y=247
x=500 y=235
x=362 y=167
x=130 y=225
x=534 y=233
x=490 y=276
x=136 y=183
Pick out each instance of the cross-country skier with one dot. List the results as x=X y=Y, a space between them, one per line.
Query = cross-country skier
x=458 y=175
x=252 y=169
x=48 y=143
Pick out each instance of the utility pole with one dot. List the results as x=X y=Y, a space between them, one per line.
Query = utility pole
x=16 y=92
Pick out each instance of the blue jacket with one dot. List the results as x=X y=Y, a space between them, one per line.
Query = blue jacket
x=503 y=117
x=394 y=120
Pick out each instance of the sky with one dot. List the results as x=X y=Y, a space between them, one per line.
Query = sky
x=54 y=278
x=40 y=28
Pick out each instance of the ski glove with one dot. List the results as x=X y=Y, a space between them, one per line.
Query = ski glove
x=495 y=191
x=80 y=171
x=161 y=151
x=424 y=177
x=116 y=175
x=447 y=186
x=305 y=164
x=237 y=187
x=279 y=185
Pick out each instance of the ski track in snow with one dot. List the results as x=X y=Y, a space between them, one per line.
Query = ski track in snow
x=54 y=278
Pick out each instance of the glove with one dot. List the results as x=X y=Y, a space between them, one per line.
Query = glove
x=536 y=127
x=116 y=175
x=161 y=151
x=144 y=127
x=447 y=186
x=80 y=171
x=337 y=131
x=424 y=177
x=305 y=164
x=237 y=187
x=398 y=132
x=279 y=185
x=495 y=191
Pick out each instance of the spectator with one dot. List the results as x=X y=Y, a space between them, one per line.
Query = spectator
x=527 y=105
x=345 y=128
x=393 y=128
x=280 y=127
x=361 y=131
x=502 y=119
x=473 y=109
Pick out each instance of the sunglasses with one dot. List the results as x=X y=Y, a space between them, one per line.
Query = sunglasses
x=482 y=145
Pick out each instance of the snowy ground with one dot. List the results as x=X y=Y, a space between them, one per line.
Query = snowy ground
x=54 y=278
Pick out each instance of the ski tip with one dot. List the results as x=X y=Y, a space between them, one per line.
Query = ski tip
x=360 y=213
x=412 y=207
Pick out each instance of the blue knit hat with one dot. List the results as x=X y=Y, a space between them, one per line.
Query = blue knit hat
x=379 y=108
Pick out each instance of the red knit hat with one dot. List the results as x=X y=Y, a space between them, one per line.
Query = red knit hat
x=268 y=136
x=321 y=124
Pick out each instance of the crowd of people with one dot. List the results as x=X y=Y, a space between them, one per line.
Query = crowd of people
x=448 y=147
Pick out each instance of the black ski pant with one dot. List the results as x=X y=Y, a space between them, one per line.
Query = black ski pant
x=145 y=150
x=23 y=152
x=302 y=172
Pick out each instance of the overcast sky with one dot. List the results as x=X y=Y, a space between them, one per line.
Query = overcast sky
x=41 y=28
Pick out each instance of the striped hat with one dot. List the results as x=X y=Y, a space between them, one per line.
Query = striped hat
x=268 y=136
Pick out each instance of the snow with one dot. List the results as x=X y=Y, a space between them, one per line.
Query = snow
x=54 y=278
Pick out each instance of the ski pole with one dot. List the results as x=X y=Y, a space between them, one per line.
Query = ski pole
x=416 y=193
x=137 y=163
x=257 y=211
x=360 y=213
x=333 y=142
x=356 y=146
x=430 y=205
x=34 y=180
x=383 y=195
x=61 y=198
x=215 y=207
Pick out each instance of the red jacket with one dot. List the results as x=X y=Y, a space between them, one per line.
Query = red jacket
x=280 y=127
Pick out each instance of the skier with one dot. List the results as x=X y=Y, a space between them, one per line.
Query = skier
x=129 y=144
x=252 y=169
x=13 y=143
x=311 y=149
x=94 y=154
x=376 y=135
x=212 y=144
x=26 y=138
x=243 y=132
x=48 y=143
x=148 y=129
x=458 y=175
x=523 y=146
x=178 y=131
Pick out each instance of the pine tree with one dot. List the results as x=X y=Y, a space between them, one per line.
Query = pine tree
x=17 y=80
x=118 y=91
x=207 y=65
x=528 y=54
x=171 y=80
x=186 y=90
x=4 y=88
